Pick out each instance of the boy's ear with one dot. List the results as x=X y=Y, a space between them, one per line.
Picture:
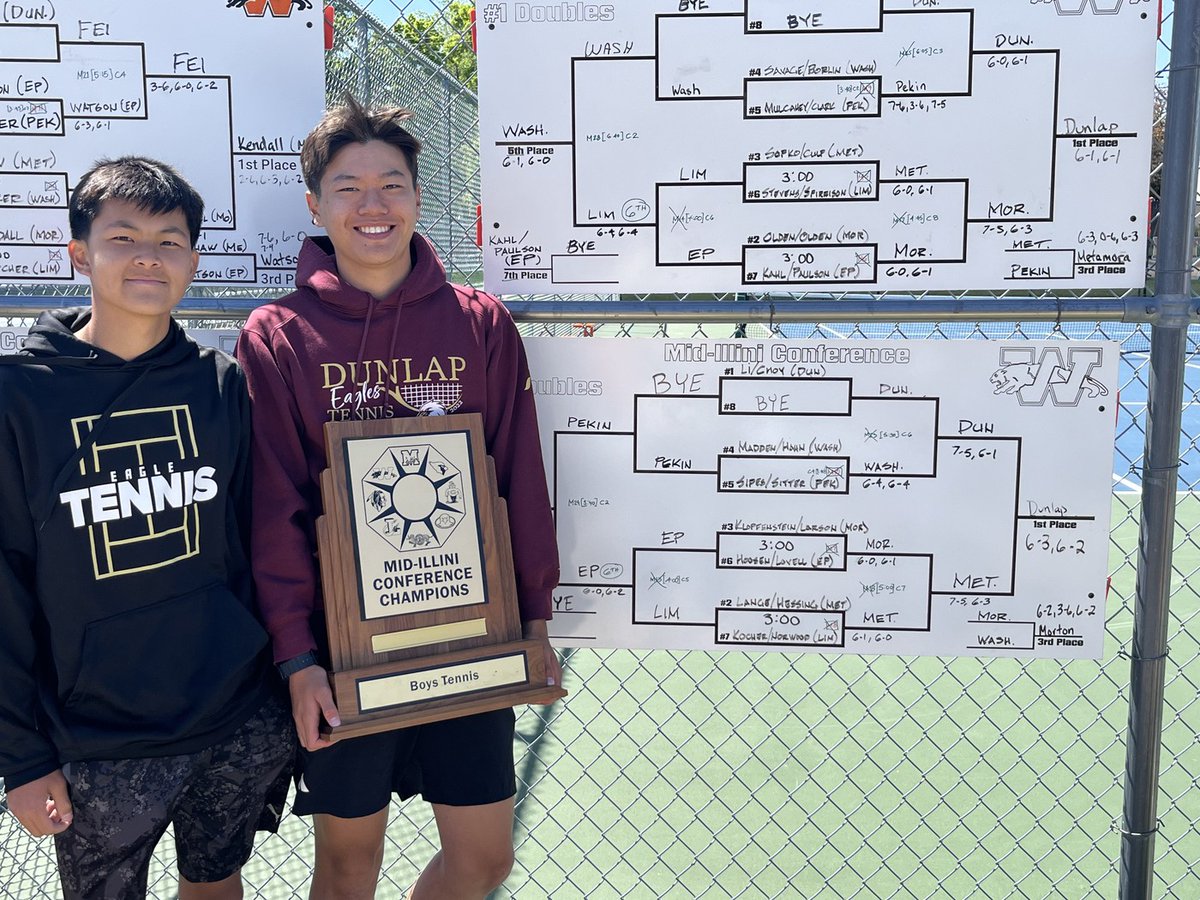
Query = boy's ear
x=312 y=206
x=195 y=262
x=78 y=252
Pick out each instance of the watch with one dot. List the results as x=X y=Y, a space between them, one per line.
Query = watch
x=290 y=667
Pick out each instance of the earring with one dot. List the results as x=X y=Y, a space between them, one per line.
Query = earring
x=314 y=220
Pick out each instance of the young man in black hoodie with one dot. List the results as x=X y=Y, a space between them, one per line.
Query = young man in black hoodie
x=136 y=682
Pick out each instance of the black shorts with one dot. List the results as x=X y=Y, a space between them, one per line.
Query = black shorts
x=458 y=762
x=214 y=798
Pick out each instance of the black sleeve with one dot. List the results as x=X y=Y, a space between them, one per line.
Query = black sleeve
x=25 y=752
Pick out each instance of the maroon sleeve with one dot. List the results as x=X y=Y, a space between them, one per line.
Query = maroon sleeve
x=510 y=423
x=282 y=544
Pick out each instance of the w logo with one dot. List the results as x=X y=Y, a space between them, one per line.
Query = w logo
x=1034 y=373
x=280 y=8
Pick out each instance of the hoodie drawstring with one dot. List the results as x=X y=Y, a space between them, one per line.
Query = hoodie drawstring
x=395 y=331
x=362 y=344
x=42 y=516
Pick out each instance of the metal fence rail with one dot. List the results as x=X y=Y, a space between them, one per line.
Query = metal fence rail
x=760 y=775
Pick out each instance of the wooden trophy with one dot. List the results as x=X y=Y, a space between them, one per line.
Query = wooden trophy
x=417 y=573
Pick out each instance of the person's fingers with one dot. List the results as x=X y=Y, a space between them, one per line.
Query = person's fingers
x=312 y=700
x=58 y=804
x=306 y=729
x=328 y=708
x=553 y=667
x=42 y=806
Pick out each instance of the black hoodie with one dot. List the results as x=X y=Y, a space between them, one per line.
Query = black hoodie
x=126 y=612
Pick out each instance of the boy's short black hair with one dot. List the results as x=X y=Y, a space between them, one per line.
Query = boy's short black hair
x=353 y=123
x=148 y=184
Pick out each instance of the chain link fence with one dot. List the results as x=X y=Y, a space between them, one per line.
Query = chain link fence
x=770 y=775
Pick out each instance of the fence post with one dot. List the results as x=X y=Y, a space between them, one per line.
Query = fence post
x=364 y=59
x=1168 y=343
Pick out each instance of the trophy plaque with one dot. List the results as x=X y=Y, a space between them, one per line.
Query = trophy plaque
x=417 y=574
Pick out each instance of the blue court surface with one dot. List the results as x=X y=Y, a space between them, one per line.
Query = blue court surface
x=1135 y=373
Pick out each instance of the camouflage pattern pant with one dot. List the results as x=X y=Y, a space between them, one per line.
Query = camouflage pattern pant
x=214 y=799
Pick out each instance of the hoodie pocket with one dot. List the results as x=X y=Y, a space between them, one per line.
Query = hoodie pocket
x=167 y=667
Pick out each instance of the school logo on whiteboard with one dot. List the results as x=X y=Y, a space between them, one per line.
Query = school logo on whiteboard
x=257 y=8
x=1035 y=374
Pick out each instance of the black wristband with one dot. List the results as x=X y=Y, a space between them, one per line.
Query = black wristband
x=290 y=667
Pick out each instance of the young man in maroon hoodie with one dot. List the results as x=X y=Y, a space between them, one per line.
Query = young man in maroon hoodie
x=373 y=331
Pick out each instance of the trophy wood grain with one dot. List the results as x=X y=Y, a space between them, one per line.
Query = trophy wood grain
x=329 y=585
x=507 y=573
x=351 y=634
x=332 y=544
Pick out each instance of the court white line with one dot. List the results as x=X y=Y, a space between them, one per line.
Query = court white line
x=1130 y=486
x=835 y=332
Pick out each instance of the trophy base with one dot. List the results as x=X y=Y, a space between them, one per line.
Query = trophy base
x=444 y=686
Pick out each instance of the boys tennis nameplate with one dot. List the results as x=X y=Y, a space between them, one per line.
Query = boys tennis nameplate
x=417 y=575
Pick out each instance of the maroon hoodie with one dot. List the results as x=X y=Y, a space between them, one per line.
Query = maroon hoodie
x=330 y=351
